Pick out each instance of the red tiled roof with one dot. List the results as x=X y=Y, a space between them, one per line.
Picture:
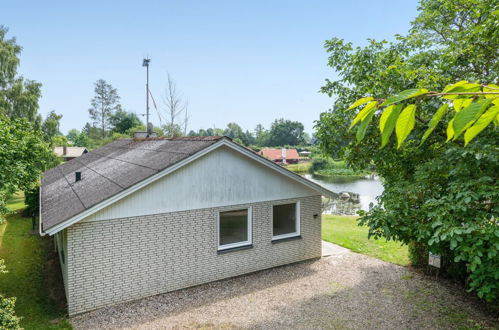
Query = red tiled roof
x=276 y=154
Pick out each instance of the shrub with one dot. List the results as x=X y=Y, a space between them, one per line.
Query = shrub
x=8 y=319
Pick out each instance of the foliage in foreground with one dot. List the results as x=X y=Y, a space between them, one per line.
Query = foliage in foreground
x=438 y=196
x=8 y=318
x=474 y=107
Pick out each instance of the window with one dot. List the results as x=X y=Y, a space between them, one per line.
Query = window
x=234 y=228
x=286 y=220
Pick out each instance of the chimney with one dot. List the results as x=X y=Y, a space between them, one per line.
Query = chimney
x=77 y=176
x=64 y=150
x=283 y=153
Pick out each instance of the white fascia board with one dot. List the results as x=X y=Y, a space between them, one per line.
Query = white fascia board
x=224 y=142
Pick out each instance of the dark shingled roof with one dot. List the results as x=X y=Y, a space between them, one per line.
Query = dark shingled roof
x=109 y=170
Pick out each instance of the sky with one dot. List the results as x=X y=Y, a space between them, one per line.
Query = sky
x=246 y=62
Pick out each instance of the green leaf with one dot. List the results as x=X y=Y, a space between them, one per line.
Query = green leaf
x=359 y=102
x=465 y=118
x=481 y=124
x=405 y=123
x=450 y=130
x=434 y=121
x=407 y=94
x=387 y=122
x=462 y=103
x=450 y=87
x=361 y=130
x=491 y=88
x=460 y=87
x=364 y=112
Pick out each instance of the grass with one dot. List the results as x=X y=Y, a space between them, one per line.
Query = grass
x=344 y=231
x=30 y=275
x=327 y=167
x=299 y=168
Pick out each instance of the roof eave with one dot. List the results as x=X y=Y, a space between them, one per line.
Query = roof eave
x=222 y=142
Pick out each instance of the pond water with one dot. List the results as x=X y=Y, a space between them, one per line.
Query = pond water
x=354 y=193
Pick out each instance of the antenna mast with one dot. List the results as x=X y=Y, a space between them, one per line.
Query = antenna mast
x=145 y=63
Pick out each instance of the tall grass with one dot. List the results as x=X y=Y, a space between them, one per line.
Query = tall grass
x=329 y=167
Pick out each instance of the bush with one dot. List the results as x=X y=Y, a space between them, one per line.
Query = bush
x=448 y=207
x=418 y=254
x=8 y=319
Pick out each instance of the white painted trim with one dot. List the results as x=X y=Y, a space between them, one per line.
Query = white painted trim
x=168 y=170
x=297 y=222
x=249 y=219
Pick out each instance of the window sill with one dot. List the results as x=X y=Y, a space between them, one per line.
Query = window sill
x=285 y=239
x=238 y=248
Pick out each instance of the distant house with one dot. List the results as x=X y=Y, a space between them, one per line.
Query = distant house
x=68 y=153
x=281 y=156
x=139 y=217
x=305 y=153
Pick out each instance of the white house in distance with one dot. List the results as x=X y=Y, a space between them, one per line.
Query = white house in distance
x=68 y=153
x=139 y=217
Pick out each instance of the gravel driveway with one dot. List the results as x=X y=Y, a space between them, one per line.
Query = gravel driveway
x=343 y=290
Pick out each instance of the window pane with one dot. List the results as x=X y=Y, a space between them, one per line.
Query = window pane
x=233 y=227
x=284 y=219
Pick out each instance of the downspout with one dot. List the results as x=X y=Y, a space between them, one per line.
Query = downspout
x=40 y=210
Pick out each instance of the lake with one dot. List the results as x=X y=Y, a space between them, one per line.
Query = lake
x=360 y=192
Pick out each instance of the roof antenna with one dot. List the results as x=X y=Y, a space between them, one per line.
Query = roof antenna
x=145 y=63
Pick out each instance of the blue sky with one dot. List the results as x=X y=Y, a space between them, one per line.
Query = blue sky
x=248 y=62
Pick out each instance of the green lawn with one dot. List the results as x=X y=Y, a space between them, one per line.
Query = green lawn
x=31 y=273
x=344 y=231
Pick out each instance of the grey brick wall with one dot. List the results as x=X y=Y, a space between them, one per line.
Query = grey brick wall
x=118 y=260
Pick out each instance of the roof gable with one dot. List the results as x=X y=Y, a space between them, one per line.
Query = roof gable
x=222 y=177
x=116 y=170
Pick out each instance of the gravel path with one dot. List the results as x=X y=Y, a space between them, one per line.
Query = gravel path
x=343 y=290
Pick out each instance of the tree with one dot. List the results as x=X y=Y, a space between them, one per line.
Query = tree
x=83 y=140
x=50 y=126
x=121 y=121
x=262 y=136
x=103 y=105
x=437 y=195
x=18 y=97
x=175 y=107
x=72 y=134
x=286 y=132
x=23 y=153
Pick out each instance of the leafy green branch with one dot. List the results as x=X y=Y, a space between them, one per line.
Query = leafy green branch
x=473 y=107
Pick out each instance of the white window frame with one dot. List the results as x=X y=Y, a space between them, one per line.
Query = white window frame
x=249 y=241
x=297 y=223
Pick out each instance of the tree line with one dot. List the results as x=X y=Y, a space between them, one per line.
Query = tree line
x=110 y=121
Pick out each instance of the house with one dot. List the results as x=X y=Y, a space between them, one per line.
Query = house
x=139 y=217
x=68 y=153
x=281 y=156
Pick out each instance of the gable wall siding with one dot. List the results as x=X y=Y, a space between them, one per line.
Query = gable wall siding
x=219 y=178
x=125 y=259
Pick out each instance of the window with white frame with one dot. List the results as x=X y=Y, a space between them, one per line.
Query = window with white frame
x=234 y=228
x=285 y=220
